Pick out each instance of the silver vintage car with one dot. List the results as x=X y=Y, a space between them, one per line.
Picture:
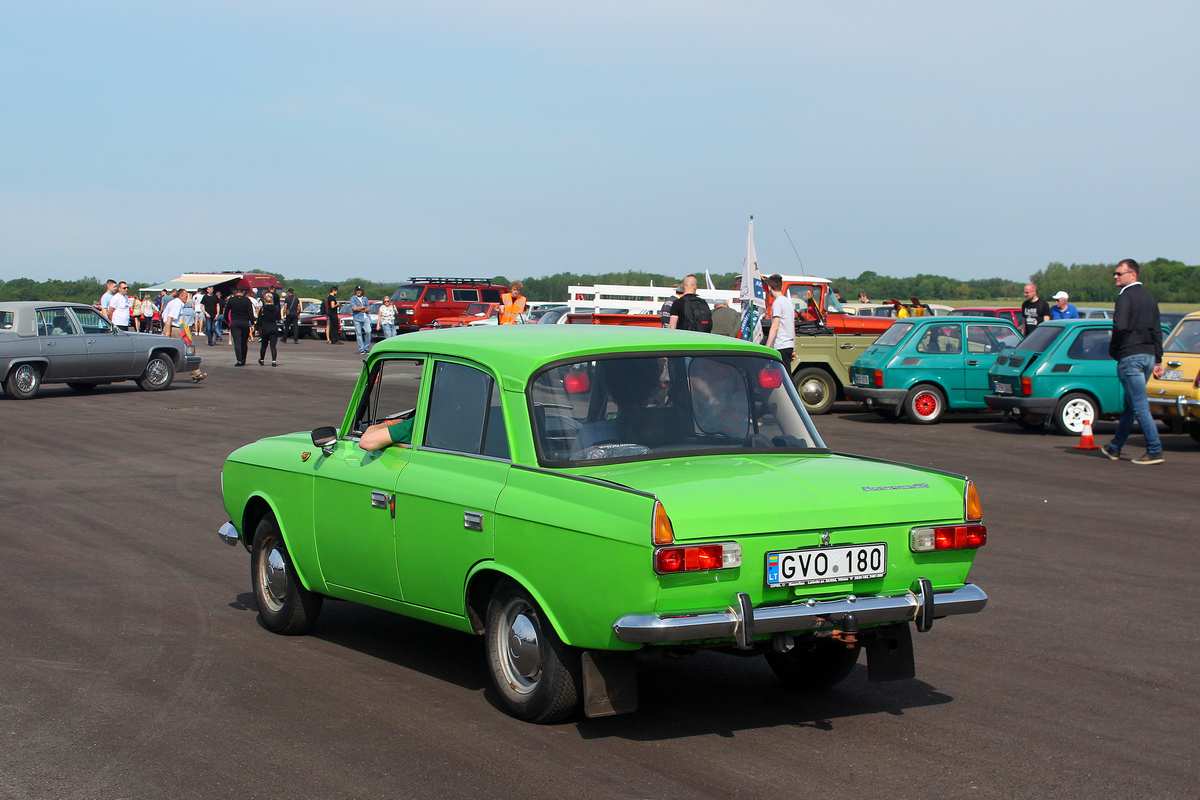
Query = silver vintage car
x=71 y=343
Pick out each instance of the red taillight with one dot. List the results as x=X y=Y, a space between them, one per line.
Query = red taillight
x=770 y=377
x=1196 y=383
x=878 y=379
x=947 y=537
x=576 y=382
x=1026 y=386
x=699 y=557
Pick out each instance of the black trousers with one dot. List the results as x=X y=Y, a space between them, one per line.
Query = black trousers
x=240 y=330
x=335 y=328
x=292 y=325
x=270 y=335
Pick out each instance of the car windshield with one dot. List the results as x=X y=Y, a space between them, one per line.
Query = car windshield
x=975 y=312
x=410 y=293
x=312 y=308
x=1041 y=338
x=643 y=407
x=476 y=310
x=1185 y=338
x=892 y=336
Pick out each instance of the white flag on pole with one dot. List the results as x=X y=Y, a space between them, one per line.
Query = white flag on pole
x=754 y=300
x=708 y=281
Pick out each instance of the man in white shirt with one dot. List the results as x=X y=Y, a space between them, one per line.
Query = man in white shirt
x=171 y=315
x=110 y=288
x=783 y=321
x=118 y=307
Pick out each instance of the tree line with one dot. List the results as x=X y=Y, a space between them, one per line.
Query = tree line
x=1170 y=281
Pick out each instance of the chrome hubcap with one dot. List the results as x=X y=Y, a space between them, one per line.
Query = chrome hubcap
x=24 y=378
x=156 y=371
x=813 y=392
x=273 y=579
x=520 y=646
x=1075 y=412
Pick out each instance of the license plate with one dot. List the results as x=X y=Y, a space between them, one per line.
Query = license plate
x=1002 y=388
x=1173 y=375
x=860 y=380
x=826 y=565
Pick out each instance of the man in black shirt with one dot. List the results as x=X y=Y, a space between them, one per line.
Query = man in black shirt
x=1034 y=311
x=333 y=326
x=241 y=314
x=208 y=302
x=697 y=318
x=1136 y=345
x=291 y=317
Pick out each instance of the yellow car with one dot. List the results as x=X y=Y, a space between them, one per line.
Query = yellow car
x=1175 y=397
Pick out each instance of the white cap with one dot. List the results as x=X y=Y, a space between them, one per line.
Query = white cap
x=1061 y=296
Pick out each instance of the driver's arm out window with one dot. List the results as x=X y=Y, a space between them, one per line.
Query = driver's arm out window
x=391 y=393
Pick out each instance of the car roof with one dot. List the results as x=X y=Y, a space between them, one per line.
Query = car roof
x=517 y=351
x=950 y=319
x=21 y=305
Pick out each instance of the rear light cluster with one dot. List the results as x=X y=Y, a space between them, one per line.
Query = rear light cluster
x=947 y=537
x=878 y=379
x=1026 y=385
x=696 y=558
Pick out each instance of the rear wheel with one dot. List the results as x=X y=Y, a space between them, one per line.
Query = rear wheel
x=925 y=404
x=814 y=664
x=1072 y=411
x=816 y=388
x=283 y=603
x=537 y=676
x=23 y=382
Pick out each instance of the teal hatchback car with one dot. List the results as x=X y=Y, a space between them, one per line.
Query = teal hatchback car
x=922 y=368
x=1060 y=376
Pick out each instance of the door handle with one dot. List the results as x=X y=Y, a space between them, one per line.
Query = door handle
x=51 y=344
x=845 y=346
x=1169 y=363
x=972 y=363
x=473 y=520
x=384 y=500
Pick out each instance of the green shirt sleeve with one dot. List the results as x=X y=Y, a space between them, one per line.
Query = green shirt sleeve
x=401 y=432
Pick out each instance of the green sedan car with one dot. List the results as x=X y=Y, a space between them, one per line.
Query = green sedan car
x=586 y=496
x=921 y=368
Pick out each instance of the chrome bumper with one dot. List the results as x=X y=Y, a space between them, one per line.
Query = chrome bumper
x=812 y=615
x=229 y=534
x=1182 y=403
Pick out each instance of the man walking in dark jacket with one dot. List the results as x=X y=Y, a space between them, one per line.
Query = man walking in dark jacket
x=1137 y=347
x=291 y=317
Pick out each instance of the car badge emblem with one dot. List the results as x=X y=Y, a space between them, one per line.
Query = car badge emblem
x=824 y=538
x=305 y=455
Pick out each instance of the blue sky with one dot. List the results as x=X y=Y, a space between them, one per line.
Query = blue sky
x=385 y=139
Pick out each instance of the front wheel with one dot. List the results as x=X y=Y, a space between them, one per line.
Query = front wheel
x=23 y=382
x=925 y=405
x=816 y=388
x=283 y=603
x=537 y=676
x=159 y=373
x=1072 y=411
x=814 y=664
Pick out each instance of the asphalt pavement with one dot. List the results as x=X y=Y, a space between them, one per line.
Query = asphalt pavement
x=132 y=664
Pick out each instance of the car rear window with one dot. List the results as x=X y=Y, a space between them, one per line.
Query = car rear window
x=1042 y=337
x=1091 y=344
x=1185 y=338
x=892 y=336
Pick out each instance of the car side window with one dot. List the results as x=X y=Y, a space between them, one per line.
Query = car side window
x=91 y=321
x=941 y=339
x=1091 y=345
x=987 y=338
x=464 y=412
x=391 y=393
x=466 y=295
x=55 y=322
x=490 y=295
x=434 y=294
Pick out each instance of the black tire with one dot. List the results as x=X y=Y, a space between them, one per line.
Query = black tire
x=1071 y=412
x=548 y=685
x=816 y=388
x=23 y=381
x=81 y=387
x=1193 y=430
x=814 y=664
x=1032 y=422
x=159 y=372
x=284 y=605
x=925 y=404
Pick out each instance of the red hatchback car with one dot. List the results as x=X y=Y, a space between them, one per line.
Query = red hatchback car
x=1009 y=313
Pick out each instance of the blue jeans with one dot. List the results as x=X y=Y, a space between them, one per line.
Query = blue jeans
x=1133 y=372
x=217 y=324
x=362 y=332
x=388 y=330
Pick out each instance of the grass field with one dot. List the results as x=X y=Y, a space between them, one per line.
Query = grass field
x=1016 y=301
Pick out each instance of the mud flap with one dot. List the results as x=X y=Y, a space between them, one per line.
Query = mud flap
x=610 y=683
x=890 y=654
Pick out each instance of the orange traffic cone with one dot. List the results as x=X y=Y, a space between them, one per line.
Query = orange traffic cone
x=1085 y=438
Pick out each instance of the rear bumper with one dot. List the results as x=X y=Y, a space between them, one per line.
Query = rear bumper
x=653 y=629
x=1183 y=405
x=1031 y=405
x=876 y=397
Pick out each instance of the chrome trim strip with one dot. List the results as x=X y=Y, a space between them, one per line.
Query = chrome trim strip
x=1173 y=401
x=229 y=534
x=803 y=616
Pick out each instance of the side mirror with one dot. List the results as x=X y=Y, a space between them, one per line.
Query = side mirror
x=325 y=438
